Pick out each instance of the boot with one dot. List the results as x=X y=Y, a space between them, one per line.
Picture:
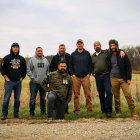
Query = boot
x=133 y=113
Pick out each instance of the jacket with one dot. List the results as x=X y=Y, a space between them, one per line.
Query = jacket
x=37 y=68
x=123 y=64
x=60 y=84
x=56 y=59
x=13 y=66
x=80 y=63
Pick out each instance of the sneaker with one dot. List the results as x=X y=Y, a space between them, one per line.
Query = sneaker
x=109 y=115
x=50 y=120
x=3 y=117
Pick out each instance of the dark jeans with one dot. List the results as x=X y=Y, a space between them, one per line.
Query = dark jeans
x=34 y=88
x=103 y=85
x=53 y=103
x=9 y=86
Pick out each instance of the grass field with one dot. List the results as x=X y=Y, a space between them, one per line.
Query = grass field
x=25 y=96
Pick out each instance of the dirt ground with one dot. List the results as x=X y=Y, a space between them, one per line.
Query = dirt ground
x=82 y=129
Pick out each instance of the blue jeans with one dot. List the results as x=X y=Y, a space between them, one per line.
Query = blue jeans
x=103 y=85
x=55 y=106
x=9 y=86
x=34 y=88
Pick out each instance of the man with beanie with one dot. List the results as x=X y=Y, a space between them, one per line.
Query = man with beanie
x=80 y=69
x=60 y=56
x=37 y=68
x=13 y=69
x=120 y=75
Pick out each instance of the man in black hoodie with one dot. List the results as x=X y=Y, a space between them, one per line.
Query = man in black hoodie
x=13 y=69
x=80 y=69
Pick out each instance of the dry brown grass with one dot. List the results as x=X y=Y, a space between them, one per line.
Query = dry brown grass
x=25 y=94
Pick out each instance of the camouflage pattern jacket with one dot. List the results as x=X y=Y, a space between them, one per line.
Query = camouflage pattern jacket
x=60 y=84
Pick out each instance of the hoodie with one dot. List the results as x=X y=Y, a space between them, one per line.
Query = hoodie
x=37 y=68
x=13 y=66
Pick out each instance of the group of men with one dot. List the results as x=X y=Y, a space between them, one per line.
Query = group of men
x=66 y=73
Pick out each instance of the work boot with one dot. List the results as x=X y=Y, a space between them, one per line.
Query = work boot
x=118 y=114
x=133 y=114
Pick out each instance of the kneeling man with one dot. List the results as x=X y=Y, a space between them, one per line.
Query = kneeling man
x=59 y=86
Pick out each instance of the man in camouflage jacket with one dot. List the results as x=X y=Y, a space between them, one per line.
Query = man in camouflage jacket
x=59 y=86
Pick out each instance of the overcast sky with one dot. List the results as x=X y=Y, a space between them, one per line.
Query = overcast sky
x=48 y=23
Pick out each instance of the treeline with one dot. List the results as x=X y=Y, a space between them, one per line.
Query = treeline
x=133 y=53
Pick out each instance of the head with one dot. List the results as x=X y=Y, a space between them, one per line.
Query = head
x=62 y=67
x=97 y=46
x=62 y=49
x=80 y=44
x=39 y=52
x=113 y=45
x=15 y=48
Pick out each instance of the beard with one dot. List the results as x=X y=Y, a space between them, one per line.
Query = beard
x=62 y=71
x=98 y=49
x=114 y=50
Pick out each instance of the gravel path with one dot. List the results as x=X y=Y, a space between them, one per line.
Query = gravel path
x=88 y=129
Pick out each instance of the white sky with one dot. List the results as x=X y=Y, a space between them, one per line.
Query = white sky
x=48 y=23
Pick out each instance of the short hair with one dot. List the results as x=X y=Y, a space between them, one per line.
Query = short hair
x=61 y=45
x=38 y=48
x=62 y=61
x=113 y=41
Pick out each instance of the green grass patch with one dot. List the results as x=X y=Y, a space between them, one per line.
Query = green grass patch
x=97 y=114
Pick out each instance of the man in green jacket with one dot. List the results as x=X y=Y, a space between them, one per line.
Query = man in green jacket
x=59 y=86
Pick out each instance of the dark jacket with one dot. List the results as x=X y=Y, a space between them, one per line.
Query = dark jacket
x=124 y=66
x=80 y=63
x=14 y=66
x=55 y=61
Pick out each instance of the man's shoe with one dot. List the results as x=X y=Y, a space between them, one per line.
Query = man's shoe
x=16 y=116
x=32 y=114
x=3 y=117
x=108 y=115
x=118 y=114
x=50 y=120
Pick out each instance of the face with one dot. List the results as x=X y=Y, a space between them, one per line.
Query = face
x=62 y=67
x=15 y=49
x=62 y=50
x=97 y=47
x=80 y=45
x=39 y=52
x=113 y=47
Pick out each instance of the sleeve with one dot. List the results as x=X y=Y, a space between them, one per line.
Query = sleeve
x=30 y=69
x=24 y=69
x=45 y=83
x=71 y=65
x=128 y=68
x=3 y=66
x=48 y=68
x=92 y=68
x=69 y=95
x=52 y=65
x=90 y=64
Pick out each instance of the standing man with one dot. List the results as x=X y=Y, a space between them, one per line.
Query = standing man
x=37 y=68
x=59 y=86
x=13 y=69
x=120 y=74
x=60 y=56
x=80 y=69
x=101 y=73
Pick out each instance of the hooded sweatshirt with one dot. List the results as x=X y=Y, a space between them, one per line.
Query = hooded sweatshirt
x=13 y=66
x=37 y=68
